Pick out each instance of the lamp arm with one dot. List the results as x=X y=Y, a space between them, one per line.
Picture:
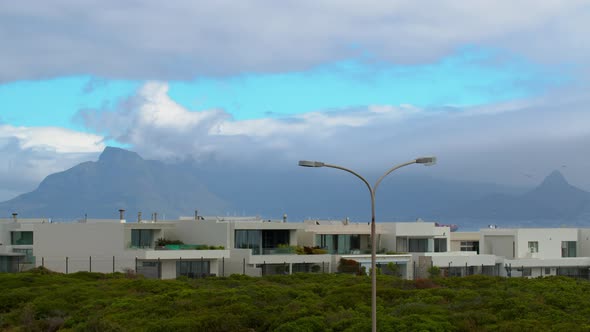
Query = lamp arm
x=371 y=191
x=391 y=170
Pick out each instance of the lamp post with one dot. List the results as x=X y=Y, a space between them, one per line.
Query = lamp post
x=426 y=161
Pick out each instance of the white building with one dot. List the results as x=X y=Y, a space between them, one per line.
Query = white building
x=220 y=246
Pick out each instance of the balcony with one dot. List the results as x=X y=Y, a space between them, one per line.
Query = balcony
x=188 y=247
x=290 y=250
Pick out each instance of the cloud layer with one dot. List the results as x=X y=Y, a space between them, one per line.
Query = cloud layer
x=153 y=40
x=497 y=143
x=31 y=153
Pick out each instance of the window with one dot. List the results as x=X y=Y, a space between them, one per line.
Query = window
x=527 y=272
x=547 y=270
x=273 y=238
x=192 y=269
x=149 y=264
x=568 y=248
x=418 y=245
x=8 y=264
x=440 y=245
x=248 y=239
x=533 y=246
x=21 y=238
x=142 y=238
x=339 y=244
x=28 y=259
x=470 y=246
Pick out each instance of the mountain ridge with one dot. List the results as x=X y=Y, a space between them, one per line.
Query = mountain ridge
x=123 y=179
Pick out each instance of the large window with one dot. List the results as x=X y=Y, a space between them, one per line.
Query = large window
x=568 y=248
x=192 y=269
x=21 y=238
x=261 y=241
x=8 y=264
x=533 y=246
x=440 y=245
x=248 y=239
x=470 y=246
x=418 y=245
x=272 y=239
x=339 y=243
x=28 y=258
x=142 y=238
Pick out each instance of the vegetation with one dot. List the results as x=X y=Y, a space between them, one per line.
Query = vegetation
x=43 y=301
x=164 y=241
x=167 y=244
x=310 y=250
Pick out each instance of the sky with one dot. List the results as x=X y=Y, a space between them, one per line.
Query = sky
x=497 y=90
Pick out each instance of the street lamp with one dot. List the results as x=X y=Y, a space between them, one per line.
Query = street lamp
x=426 y=161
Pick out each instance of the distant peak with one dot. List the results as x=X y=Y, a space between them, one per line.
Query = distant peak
x=555 y=179
x=113 y=154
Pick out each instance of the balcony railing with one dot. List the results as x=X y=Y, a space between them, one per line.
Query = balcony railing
x=189 y=247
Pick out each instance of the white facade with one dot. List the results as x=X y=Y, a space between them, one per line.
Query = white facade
x=250 y=245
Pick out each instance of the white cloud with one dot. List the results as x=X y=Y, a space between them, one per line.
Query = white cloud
x=55 y=139
x=493 y=143
x=29 y=154
x=185 y=39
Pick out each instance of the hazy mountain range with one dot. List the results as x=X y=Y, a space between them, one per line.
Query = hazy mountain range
x=122 y=179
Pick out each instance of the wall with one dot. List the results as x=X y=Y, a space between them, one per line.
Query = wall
x=458 y=237
x=583 y=242
x=207 y=232
x=549 y=240
x=54 y=242
x=499 y=245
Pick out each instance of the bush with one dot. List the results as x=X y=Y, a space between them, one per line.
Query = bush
x=164 y=241
x=433 y=272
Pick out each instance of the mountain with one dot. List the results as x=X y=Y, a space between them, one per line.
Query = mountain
x=553 y=201
x=123 y=179
x=120 y=179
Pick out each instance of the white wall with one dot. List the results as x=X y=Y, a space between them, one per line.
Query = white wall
x=54 y=242
x=207 y=232
x=499 y=245
x=549 y=240
x=583 y=242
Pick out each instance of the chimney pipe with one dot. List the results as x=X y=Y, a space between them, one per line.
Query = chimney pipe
x=14 y=214
x=139 y=217
x=155 y=217
x=285 y=217
x=122 y=216
x=196 y=214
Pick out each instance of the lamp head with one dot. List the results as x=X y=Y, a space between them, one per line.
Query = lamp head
x=307 y=163
x=426 y=161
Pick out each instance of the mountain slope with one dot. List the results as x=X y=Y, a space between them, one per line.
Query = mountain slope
x=119 y=179
x=554 y=199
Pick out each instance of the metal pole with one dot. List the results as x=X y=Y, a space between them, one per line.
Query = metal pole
x=113 y=264
x=244 y=267
x=222 y=263
x=42 y=261
x=66 y=265
x=372 y=190
x=159 y=269
x=89 y=263
x=373 y=265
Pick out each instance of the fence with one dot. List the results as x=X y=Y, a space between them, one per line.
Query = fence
x=168 y=268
